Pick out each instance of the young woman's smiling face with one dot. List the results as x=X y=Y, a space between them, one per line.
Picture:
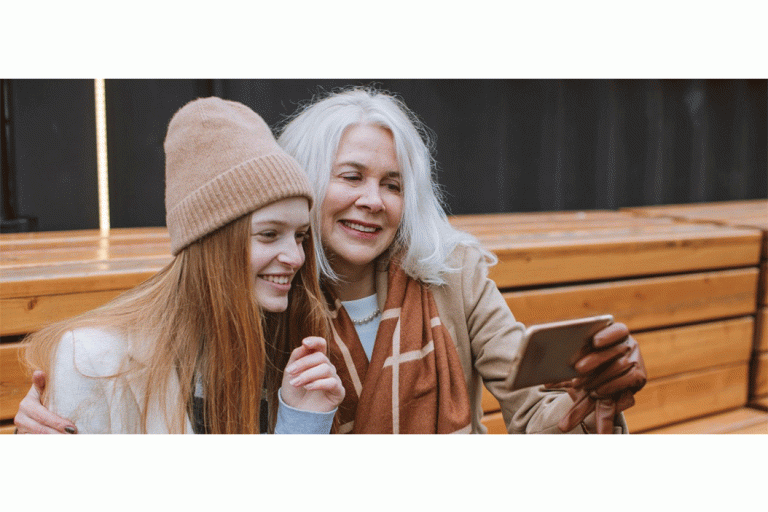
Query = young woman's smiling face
x=364 y=201
x=276 y=250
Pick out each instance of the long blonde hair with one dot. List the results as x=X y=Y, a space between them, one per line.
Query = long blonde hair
x=197 y=318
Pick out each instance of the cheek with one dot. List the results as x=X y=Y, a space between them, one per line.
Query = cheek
x=395 y=209
x=257 y=258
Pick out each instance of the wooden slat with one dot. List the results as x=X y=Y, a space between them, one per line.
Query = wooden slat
x=76 y=278
x=494 y=423
x=6 y=429
x=547 y=261
x=22 y=315
x=489 y=402
x=58 y=255
x=14 y=382
x=751 y=214
x=764 y=280
x=723 y=211
x=644 y=303
x=760 y=375
x=681 y=397
x=696 y=347
x=547 y=248
x=732 y=422
x=759 y=428
x=761 y=330
x=42 y=239
x=760 y=403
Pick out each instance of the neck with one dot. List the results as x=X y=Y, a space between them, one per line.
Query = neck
x=355 y=283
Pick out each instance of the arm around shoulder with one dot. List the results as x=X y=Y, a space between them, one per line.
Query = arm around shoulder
x=80 y=388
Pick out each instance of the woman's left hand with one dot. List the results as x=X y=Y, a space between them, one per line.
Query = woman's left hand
x=310 y=382
x=611 y=374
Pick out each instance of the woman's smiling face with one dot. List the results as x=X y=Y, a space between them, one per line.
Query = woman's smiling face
x=363 y=204
x=276 y=251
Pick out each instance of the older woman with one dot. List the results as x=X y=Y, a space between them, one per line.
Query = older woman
x=418 y=326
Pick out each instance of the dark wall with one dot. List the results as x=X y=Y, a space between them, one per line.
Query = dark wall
x=501 y=145
x=53 y=153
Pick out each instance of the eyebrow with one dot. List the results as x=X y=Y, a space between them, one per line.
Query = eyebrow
x=277 y=222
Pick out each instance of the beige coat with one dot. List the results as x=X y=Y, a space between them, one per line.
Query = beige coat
x=487 y=337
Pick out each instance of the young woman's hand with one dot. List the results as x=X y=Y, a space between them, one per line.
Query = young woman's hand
x=33 y=418
x=611 y=374
x=310 y=382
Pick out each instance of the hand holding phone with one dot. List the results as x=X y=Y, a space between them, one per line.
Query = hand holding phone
x=549 y=351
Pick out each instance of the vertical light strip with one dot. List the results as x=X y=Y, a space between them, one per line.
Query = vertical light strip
x=101 y=156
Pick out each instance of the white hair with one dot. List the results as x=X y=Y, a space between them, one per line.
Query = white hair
x=425 y=236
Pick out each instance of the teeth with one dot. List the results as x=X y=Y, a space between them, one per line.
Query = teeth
x=277 y=279
x=358 y=227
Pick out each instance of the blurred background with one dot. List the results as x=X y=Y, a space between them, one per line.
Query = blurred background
x=500 y=145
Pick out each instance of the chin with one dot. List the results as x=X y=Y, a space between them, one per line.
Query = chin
x=273 y=306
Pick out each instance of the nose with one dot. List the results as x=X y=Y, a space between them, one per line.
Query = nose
x=292 y=254
x=370 y=198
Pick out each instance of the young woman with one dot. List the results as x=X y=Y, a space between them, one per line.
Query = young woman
x=417 y=324
x=192 y=349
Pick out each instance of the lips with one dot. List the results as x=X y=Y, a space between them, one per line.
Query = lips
x=361 y=227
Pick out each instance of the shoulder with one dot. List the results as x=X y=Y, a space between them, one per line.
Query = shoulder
x=94 y=352
x=467 y=271
x=467 y=264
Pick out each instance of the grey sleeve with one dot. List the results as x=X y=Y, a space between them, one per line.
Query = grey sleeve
x=296 y=421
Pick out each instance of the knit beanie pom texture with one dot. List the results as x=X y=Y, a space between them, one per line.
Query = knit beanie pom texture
x=222 y=162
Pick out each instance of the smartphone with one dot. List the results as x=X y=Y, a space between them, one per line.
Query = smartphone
x=550 y=350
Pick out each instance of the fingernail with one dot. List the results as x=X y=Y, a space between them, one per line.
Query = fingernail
x=70 y=430
x=294 y=382
x=290 y=368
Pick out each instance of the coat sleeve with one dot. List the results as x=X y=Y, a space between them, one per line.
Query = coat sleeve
x=495 y=337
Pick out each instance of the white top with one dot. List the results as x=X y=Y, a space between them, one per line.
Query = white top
x=97 y=405
x=362 y=308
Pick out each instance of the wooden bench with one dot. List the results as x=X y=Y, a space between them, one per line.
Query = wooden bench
x=51 y=276
x=686 y=290
x=748 y=214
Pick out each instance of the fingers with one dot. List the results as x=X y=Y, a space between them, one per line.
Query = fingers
x=34 y=418
x=611 y=335
x=626 y=373
x=581 y=408
x=626 y=401
x=309 y=345
x=595 y=359
x=605 y=412
x=314 y=367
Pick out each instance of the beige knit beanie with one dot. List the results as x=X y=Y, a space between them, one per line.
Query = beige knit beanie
x=222 y=162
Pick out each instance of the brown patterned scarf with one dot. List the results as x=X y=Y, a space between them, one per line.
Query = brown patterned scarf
x=414 y=383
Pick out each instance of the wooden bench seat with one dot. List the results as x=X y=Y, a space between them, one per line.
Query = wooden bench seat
x=741 y=214
x=51 y=276
x=739 y=421
x=576 y=248
x=687 y=291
